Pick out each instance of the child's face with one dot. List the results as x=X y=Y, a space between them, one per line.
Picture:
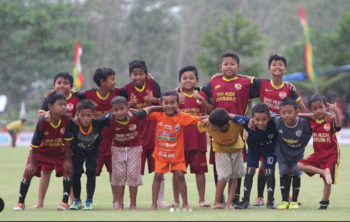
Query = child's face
x=85 y=117
x=170 y=105
x=277 y=68
x=120 y=111
x=229 y=67
x=188 y=80
x=318 y=108
x=261 y=120
x=288 y=114
x=138 y=77
x=59 y=107
x=109 y=83
x=62 y=85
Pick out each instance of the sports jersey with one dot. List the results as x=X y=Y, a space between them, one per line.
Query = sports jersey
x=169 y=136
x=228 y=142
x=260 y=140
x=15 y=125
x=147 y=127
x=272 y=95
x=71 y=107
x=325 y=142
x=193 y=139
x=49 y=140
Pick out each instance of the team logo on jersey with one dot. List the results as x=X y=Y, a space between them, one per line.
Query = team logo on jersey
x=168 y=127
x=298 y=133
x=46 y=133
x=270 y=136
x=177 y=127
x=283 y=95
x=241 y=122
x=280 y=131
x=217 y=87
x=160 y=124
x=70 y=106
x=327 y=126
x=238 y=86
x=62 y=130
x=132 y=127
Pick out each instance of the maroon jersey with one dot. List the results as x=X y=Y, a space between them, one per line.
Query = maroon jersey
x=147 y=127
x=272 y=95
x=71 y=108
x=325 y=143
x=194 y=140
x=49 y=140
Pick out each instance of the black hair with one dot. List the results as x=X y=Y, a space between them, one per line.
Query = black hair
x=138 y=64
x=102 y=73
x=86 y=104
x=54 y=96
x=277 y=58
x=170 y=93
x=219 y=117
x=261 y=108
x=64 y=75
x=316 y=98
x=229 y=54
x=289 y=101
x=118 y=100
x=188 y=69
x=23 y=119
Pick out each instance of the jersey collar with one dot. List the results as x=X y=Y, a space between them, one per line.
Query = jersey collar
x=320 y=121
x=100 y=97
x=141 y=90
x=229 y=80
x=69 y=96
x=83 y=132
x=56 y=126
x=122 y=122
x=277 y=87
x=188 y=95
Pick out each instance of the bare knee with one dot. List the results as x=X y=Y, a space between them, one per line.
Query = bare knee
x=46 y=173
x=300 y=165
x=158 y=177
x=180 y=176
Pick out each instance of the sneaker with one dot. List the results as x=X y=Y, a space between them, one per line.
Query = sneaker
x=223 y=203
x=293 y=206
x=19 y=207
x=235 y=200
x=88 y=205
x=63 y=207
x=271 y=205
x=243 y=205
x=259 y=202
x=290 y=200
x=324 y=205
x=283 y=206
x=76 y=205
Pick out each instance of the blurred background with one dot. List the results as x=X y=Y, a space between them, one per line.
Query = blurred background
x=38 y=38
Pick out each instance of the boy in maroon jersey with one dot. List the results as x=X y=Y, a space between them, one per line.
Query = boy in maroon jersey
x=46 y=152
x=195 y=142
x=140 y=93
x=326 y=157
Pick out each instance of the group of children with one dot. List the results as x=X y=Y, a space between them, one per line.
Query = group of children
x=121 y=128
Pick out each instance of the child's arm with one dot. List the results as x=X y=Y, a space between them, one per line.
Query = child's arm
x=207 y=106
x=334 y=108
x=154 y=109
x=150 y=99
x=302 y=107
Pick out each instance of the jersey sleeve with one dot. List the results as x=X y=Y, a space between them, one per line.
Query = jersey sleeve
x=38 y=134
x=201 y=128
x=335 y=129
x=103 y=121
x=124 y=93
x=188 y=119
x=241 y=120
x=44 y=106
x=275 y=117
x=68 y=134
x=294 y=95
x=80 y=95
x=207 y=90
x=153 y=116
x=158 y=90
x=254 y=88
x=142 y=113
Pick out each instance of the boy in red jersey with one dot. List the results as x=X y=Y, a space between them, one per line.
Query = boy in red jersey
x=326 y=157
x=195 y=142
x=46 y=153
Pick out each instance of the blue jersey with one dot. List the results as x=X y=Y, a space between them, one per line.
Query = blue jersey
x=262 y=141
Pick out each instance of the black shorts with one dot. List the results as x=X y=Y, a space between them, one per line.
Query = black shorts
x=79 y=156
x=253 y=157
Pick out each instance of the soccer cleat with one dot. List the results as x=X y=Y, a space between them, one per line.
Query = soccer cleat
x=223 y=203
x=235 y=200
x=88 y=205
x=243 y=205
x=259 y=202
x=63 y=207
x=293 y=206
x=271 y=205
x=19 y=207
x=76 y=205
x=283 y=206
x=324 y=205
x=290 y=200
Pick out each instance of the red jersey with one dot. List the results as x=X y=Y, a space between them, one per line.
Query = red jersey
x=147 y=127
x=193 y=139
x=325 y=142
x=272 y=95
x=71 y=108
x=49 y=140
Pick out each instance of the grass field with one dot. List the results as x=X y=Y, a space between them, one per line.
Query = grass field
x=12 y=162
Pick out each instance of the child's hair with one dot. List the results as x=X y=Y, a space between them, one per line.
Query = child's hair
x=188 y=69
x=261 y=108
x=276 y=58
x=289 y=101
x=119 y=100
x=86 y=104
x=219 y=117
x=138 y=64
x=102 y=73
x=170 y=93
x=23 y=120
x=316 y=98
x=229 y=54
x=64 y=75
x=54 y=96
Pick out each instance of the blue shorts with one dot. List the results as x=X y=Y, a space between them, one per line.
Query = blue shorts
x=89 y=156
x=253 y=157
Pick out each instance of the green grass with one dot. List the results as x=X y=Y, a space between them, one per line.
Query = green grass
x=13 y=162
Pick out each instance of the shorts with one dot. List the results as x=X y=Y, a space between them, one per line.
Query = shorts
x=212 y=154
x=104 y=160
x=254 y=157
x=288 y=167
x=89 y=156
x=312 y=160
x=45 y=167
x=147 y=155
x=197 y=161
x=126 y=163
x=162 y=167
x=229 y=165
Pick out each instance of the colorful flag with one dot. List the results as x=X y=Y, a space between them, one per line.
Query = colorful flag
x=308 y=50
x=78 y=76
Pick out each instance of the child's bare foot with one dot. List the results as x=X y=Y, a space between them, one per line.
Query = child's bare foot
x=164 y=205
x=186 y=206
x=120 y=207
x=327 y=176
x=37 y=206
x=133 y=207
x=204 y=204
x=153 y=207
x=175 y=204
x=218 y=206
x=228 y=207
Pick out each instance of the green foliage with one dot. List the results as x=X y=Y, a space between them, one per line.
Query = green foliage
x=234 y=34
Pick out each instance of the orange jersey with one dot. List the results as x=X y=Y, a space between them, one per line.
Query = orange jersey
x=169 y=136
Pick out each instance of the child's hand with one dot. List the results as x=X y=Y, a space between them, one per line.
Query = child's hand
x=76 y=120
x=206 y=122
x=48 y=116
x=198 y=96
x=133 y=103
x=332 y=107
x=48 y=93
x=129 y=117
x=68 y=168
x=182 y=98
x=178 y=111
x=217 y=75
x=149 y=76
x=178 y=89
x=290 y=85
x=149 y=98
x=251 y=124
x=30 y=170
x=328 y=116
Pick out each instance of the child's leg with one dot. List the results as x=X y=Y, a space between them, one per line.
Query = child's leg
x=270 y=180
x=326 y=191
x=120 y=191
x=43 y=186
x=200 y=181
x=176 y=192
x=220 y=187
x=314 y=170
x=179 y=174
x=296 y=188
x=133 y=195
x=231 y=192
x=67 y=185
x=285 y=182
x=248 y=183
x=261 y=180
x=158 y=178
x=77 y=185
x=23 y=189
x=90 y=183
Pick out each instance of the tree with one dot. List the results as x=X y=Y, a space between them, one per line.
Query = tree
x=234 y=34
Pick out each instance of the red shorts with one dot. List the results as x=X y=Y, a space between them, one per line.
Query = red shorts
x=161 y=167
x=104 y=160
x=45 y=167
x=147 y=155
x=312 y=160
x=197 y=161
